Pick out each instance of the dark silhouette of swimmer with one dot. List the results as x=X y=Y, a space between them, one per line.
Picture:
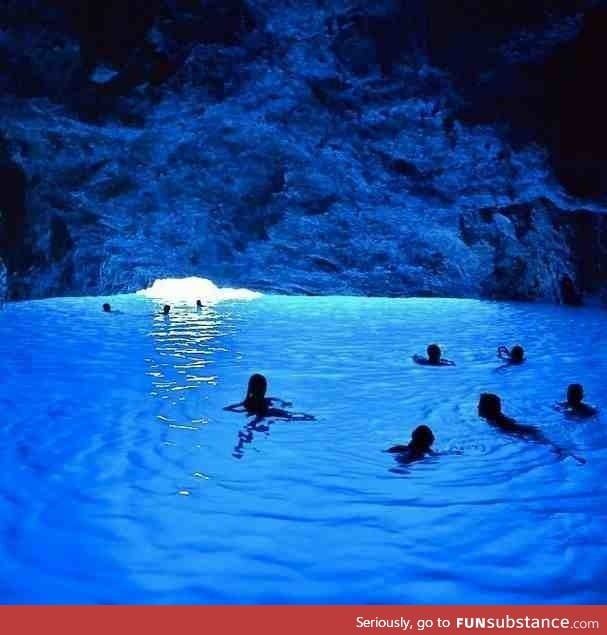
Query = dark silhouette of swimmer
x=490 y=409
x=575 y=403
x=434 y=358
x=107 y=308
x=420 y=445
x=166 y=309
x=515 y=355
x=198 y=305
x=257 y=404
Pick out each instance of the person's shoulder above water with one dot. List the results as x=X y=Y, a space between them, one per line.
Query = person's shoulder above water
x=257 y=404
x=490 y=409
x=575 y=405
x=434 y=358
x=586 y=410
x=397 y=449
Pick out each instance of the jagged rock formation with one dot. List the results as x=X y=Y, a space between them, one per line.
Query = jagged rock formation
x=536 y=250
x=402 y=148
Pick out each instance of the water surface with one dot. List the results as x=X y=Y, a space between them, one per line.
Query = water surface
x=124 y=481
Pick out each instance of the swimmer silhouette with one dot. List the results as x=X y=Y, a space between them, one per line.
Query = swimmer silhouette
x=198 y=305
x=166 y=309
x=258 y=405
x=490 y=409
x=420 y=445
x=575 y=403
x=516 y=355
x=434 y=357
x=107 y=308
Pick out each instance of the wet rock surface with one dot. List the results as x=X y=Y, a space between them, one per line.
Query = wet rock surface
x=403 y=148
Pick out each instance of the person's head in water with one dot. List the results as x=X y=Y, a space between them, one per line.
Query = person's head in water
x=256 y=390
x=166 y=309
x=489 y=406
x=107 y=308
x=434 y=353
x=575 y=394
x=198 y=304
x=517 y=354
x=422 y=439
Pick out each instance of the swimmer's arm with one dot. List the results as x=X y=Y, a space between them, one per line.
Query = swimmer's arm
x=539 y=437
x=235 y=407
x=584 y=410
x=397 y=449
x=588 y=410
x=300 y=416
x=503 y=352
x=418 y=359
x=563 y=454
x=535 y=434
x=281 y=402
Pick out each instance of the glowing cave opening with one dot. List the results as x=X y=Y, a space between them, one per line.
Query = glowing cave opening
x=188 y=290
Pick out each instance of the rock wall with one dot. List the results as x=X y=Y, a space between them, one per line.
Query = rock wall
x=399 y=147
x=537 y=250
x=3 y=283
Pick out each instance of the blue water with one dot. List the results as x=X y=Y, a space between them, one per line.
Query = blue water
x=123 y=480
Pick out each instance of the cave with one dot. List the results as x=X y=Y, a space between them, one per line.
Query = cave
x=302 y=303
x=577 y=103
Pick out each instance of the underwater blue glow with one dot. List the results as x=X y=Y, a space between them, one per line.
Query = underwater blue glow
x=123 y=480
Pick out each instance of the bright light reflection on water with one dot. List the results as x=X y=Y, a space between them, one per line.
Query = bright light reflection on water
x=123 y=479
x=189 y=290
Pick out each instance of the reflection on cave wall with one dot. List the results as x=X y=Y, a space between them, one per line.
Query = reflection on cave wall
x=322 y=146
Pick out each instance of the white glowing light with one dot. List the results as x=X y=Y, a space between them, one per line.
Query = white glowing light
x=191 y=289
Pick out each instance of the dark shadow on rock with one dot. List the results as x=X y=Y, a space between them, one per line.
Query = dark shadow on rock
x=536 y=66
x=61 y=242
x=13 y=212
x=540 y=251
x=378 y=34
x=577 y=104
